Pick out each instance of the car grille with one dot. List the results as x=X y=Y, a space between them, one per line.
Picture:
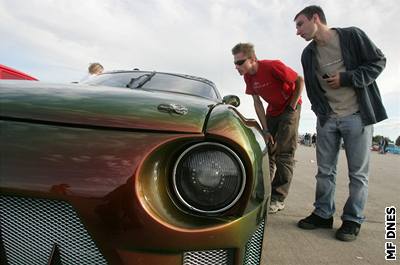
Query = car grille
x=32 y=228
x=225 y=257
x=208 y=257
x=254 y=246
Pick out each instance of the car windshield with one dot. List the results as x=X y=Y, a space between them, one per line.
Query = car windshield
x=159 y=82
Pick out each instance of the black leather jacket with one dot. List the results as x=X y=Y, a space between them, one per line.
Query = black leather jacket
x=363 y=61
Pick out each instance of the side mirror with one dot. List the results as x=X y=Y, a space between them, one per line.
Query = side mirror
x=231 y=100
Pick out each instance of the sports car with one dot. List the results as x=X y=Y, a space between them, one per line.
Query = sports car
x=130 y=167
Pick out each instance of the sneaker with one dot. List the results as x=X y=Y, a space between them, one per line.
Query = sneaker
x=276 y=206
x=348 y=231
x=314 y=221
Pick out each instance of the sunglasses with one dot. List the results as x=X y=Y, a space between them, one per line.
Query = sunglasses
x=240 y=62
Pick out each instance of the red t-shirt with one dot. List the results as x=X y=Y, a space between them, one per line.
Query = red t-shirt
x=274 y=82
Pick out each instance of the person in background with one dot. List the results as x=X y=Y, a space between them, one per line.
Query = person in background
x=314 y=140
x=93 y=69
x=340 y=68
x=385 y=145
x=307 y=140
x=381 y=144
x=281 y=88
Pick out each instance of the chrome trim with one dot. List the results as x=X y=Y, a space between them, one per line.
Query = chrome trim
x=182 y=200
x=174 y=108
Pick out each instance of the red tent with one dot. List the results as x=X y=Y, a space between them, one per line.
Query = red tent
x=9 y=73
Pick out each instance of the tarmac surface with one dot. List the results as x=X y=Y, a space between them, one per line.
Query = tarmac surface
x=286 y=244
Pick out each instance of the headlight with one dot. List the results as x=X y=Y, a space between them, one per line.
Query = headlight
x=208 y=178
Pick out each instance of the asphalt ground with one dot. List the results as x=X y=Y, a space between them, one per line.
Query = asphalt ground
x=286 y=244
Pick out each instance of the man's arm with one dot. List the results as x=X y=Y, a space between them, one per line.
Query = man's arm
x=299 y=85
x=373 y=61
x=258 y=106
x=286 y=74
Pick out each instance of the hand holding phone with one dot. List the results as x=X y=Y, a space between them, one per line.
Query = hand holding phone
x=332 y=80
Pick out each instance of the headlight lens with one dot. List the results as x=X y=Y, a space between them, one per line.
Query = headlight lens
x=209 y=178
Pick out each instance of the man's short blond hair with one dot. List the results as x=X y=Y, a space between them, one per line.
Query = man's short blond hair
x=246 y=48
x=95 y=68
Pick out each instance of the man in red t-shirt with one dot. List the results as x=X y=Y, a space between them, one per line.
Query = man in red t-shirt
x=281 y=88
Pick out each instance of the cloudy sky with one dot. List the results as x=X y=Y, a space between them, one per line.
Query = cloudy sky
x=55 y=40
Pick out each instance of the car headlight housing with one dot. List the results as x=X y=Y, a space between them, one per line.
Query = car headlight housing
x=209 y=178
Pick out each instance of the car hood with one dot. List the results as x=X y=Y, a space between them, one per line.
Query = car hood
x=74 y=104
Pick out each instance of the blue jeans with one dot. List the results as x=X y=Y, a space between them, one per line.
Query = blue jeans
x=357 y=140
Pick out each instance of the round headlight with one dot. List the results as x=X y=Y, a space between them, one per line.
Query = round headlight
x=209 y=178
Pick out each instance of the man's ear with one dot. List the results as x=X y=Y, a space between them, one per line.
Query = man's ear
x=315 y=18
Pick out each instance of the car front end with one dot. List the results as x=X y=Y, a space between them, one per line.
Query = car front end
x=93 y=175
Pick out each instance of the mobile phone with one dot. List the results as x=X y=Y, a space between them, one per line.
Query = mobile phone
x=325 y=76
